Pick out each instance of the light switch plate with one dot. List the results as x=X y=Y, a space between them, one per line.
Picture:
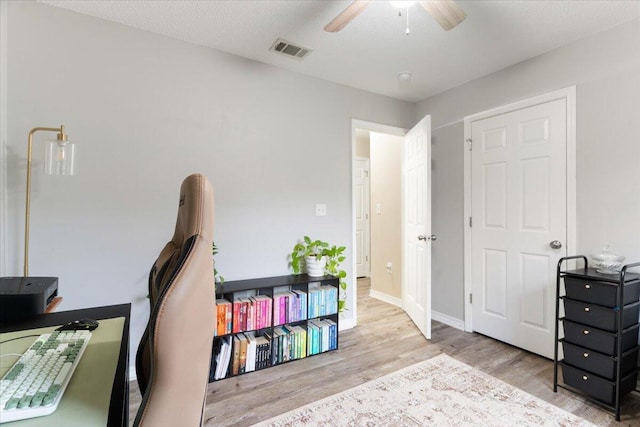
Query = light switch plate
x=321 y=209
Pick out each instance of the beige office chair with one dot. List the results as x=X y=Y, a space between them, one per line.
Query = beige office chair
x=174 y=356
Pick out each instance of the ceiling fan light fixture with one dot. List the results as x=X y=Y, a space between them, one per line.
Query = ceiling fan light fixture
x=446 y=13
x=402 y=4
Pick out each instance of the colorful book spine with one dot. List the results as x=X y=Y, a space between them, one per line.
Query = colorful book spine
x=251 y=316
x=333 y=334
x=311 y=334
x=235 y=364
x=269 y=315
x=243 y=354
x=284 y=307
x=236 y=316
x=276 y=310
x=223 y=317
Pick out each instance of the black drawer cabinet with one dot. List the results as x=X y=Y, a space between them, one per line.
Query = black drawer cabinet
x=600 y=333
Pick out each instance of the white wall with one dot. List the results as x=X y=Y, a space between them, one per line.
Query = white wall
x=146 y=111
x=447 y=190
x=362 y=143
x=606 y=70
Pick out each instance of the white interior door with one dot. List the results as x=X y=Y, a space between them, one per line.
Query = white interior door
x=362 y=196
x=416 y=244
x=518 y=207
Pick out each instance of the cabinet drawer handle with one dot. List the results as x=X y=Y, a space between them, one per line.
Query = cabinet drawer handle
x=587 y=309
x=585 y=355
x=587 y=286
x=584 y=377
x=586 y=332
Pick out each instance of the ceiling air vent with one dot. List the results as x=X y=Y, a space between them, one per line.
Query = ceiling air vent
x=289 y=49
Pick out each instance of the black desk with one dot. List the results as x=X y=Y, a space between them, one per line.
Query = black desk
x=119 y=406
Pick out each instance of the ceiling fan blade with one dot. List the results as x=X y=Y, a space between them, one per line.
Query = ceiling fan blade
x=346 y=16
x=446 y=12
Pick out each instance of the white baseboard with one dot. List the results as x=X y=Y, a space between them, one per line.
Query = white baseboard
x=447 y=320
x=345 y=324
x=386 y=298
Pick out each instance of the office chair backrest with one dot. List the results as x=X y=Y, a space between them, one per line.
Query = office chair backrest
x=174 y=355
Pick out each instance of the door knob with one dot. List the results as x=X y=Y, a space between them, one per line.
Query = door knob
x=555 y=244
x=432 y=238
x=422 y=237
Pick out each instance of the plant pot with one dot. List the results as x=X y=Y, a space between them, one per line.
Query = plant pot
x=315 y=266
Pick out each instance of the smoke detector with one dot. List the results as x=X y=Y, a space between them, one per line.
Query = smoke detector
x=404 y=77
x=404 y=80
x=289 y=49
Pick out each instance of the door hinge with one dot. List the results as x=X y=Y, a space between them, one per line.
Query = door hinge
x=470 y=142
x=470 y=298
x=366 y=216
x=470 y=222
x=366 y=258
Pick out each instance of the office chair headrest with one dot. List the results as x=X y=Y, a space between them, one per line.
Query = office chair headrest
x=196 y=197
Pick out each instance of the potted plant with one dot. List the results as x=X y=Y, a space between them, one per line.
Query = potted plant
x=319 y=259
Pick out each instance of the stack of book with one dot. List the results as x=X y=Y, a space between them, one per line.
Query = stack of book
x=322 y=335
x=239 y=354
x=224 y=317
x=287 y=343
x=245 y=314
x=290 y=306
x=323 y=301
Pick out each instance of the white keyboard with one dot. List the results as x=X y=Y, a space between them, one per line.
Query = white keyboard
x=35 y=384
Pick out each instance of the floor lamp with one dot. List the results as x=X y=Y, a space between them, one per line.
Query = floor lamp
x=59 y=160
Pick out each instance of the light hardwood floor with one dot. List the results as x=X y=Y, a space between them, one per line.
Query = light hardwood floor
x=384 y=341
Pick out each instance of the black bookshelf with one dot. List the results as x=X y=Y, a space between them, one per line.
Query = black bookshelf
x=271 y=287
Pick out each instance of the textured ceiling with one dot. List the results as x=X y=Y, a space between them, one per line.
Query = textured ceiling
x=370 y=52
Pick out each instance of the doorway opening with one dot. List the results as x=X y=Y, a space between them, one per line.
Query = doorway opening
x=377 y=196
x=377 y=210
x=399 y=220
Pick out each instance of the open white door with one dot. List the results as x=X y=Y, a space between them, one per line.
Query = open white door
x=416 y=239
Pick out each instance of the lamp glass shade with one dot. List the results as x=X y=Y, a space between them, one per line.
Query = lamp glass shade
x=59 y=158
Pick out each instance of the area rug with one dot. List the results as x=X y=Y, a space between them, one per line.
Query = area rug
x=440 y=391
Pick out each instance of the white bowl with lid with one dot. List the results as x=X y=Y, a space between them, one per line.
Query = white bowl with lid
x=606 y=262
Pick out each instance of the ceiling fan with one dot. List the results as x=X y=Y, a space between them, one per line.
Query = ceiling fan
x=446 y=13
